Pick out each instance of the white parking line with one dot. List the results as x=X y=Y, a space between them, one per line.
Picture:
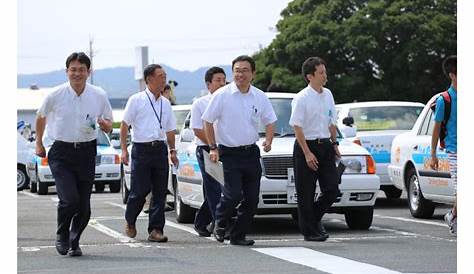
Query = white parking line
x=114 y=234
x=29 y=194
x=411 y=220
x=321 y=261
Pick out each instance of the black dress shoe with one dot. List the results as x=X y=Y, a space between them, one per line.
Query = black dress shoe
x=62 y=247
x=219 y=233
x=75 y=252
x=321 y=229
x=242 y=242
x=315 y=238
x=202 y=232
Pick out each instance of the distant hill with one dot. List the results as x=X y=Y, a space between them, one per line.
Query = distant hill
x=119 y=82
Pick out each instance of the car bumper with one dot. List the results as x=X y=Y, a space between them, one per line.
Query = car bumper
x=102 y=173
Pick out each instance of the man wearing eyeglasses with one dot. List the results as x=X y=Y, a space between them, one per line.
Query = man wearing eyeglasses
x=238 y=108
x=153 y=134
x=71 y=113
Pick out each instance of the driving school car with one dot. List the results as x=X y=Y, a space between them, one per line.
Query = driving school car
x=107 y=168
x=376 y=124
x=409 y=167
x=358 y=189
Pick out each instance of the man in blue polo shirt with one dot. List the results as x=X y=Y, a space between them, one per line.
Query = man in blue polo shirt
x=450 y=70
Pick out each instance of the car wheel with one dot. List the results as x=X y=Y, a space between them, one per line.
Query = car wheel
x=419 y=206
x=391 y=192
x=42 y=188
x=34 y=184
x=124 y=190
x=114 y=186
x=22 y=179
x=184 y=213
x=359 y=219
x=99 y=187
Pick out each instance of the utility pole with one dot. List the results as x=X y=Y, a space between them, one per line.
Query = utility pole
x=91 y=56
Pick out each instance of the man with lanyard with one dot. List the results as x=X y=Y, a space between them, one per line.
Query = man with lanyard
x=313 y=117
x=153 y=126
x=237 y=109
x=70 y=113
x=450 y=70
x=214 y=78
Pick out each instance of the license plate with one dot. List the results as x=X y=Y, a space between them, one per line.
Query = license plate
x=291 y=196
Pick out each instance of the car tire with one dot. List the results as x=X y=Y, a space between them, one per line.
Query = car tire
x=184 y=213
x=42 y=188
x=22 y=179
x=359 y=219
x=418 y=205
x=99 y=187
x=34 y=184
x=114 y=186
x=124 y=190
x=391 y=192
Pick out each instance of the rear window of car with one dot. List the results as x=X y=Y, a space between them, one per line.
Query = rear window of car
x=385 y=117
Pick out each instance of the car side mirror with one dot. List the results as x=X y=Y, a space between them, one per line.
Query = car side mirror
x=348 y=121
x=348 y=131
x=187 y=135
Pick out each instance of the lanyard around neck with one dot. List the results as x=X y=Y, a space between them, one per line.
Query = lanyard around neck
x=161 y=109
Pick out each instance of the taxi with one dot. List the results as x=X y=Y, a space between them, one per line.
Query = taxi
x=358 y=188
x=409 y=167
x=376 y=124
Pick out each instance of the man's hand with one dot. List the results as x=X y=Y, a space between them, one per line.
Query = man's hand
x=40 y=150
x=214 y=155
x=124 y=157
x=434 y=162
x=174 y=158
x=311 y=161
x=105 y=125
x=338 y=153
x=266 y=147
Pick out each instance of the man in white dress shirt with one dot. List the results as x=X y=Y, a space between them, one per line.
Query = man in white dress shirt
x=214 y=78
x=313 y=117
x=238 y=108
x=70 y=114
x=153 y=127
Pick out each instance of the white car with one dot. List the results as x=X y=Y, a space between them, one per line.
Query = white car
x=180 y=112
x=358 y=189
x=376 y=124
x=107 y=169
x=409 y=167
x=24 y=155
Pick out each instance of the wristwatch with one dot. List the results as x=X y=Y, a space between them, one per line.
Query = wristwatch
x=335 y=143
x=172 y=149
x=212 y=146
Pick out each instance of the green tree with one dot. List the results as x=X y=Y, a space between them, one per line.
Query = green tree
x=375 y=50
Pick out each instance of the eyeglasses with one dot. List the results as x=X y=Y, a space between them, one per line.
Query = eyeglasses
x=243 y=71
x=78 y=70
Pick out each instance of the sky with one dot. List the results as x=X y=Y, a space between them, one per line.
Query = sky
x=182 y=34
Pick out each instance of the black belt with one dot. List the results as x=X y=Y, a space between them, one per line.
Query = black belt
x=320 y=141
x=77 y=145
x=241 y=148
x=151 y=144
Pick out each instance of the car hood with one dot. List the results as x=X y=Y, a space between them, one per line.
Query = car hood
x=284 y=146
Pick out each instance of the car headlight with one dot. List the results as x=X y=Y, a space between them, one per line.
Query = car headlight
x=358 y=164
x=109 y=159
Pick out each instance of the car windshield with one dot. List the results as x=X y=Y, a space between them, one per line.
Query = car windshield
x=385 y=117
x=282 y=108
x=180 y=115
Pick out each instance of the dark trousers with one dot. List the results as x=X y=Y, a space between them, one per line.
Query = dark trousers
x=73 y=169
x=149 y=171
x=309 y=211
x=242 y=174
x=212 y=193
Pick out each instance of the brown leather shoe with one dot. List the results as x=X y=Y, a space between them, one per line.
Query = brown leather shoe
x=130 y=230
x=157 y=236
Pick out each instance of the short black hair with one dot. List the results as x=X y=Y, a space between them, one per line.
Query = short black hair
x=167 y=86
x=450 y=65
x=81 y=57
x=309 y=66
x=243 y=58
x=149 y=70
x=210 y=73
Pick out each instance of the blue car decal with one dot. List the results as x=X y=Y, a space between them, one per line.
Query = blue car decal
x=423 y=153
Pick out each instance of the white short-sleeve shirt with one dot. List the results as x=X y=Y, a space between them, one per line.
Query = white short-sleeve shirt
x=197 y=110
x=238 y=114
x=72 y=118
x=146 y=125
x=314 y=112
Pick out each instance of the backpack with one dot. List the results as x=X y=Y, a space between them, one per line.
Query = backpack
x=447 y=112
